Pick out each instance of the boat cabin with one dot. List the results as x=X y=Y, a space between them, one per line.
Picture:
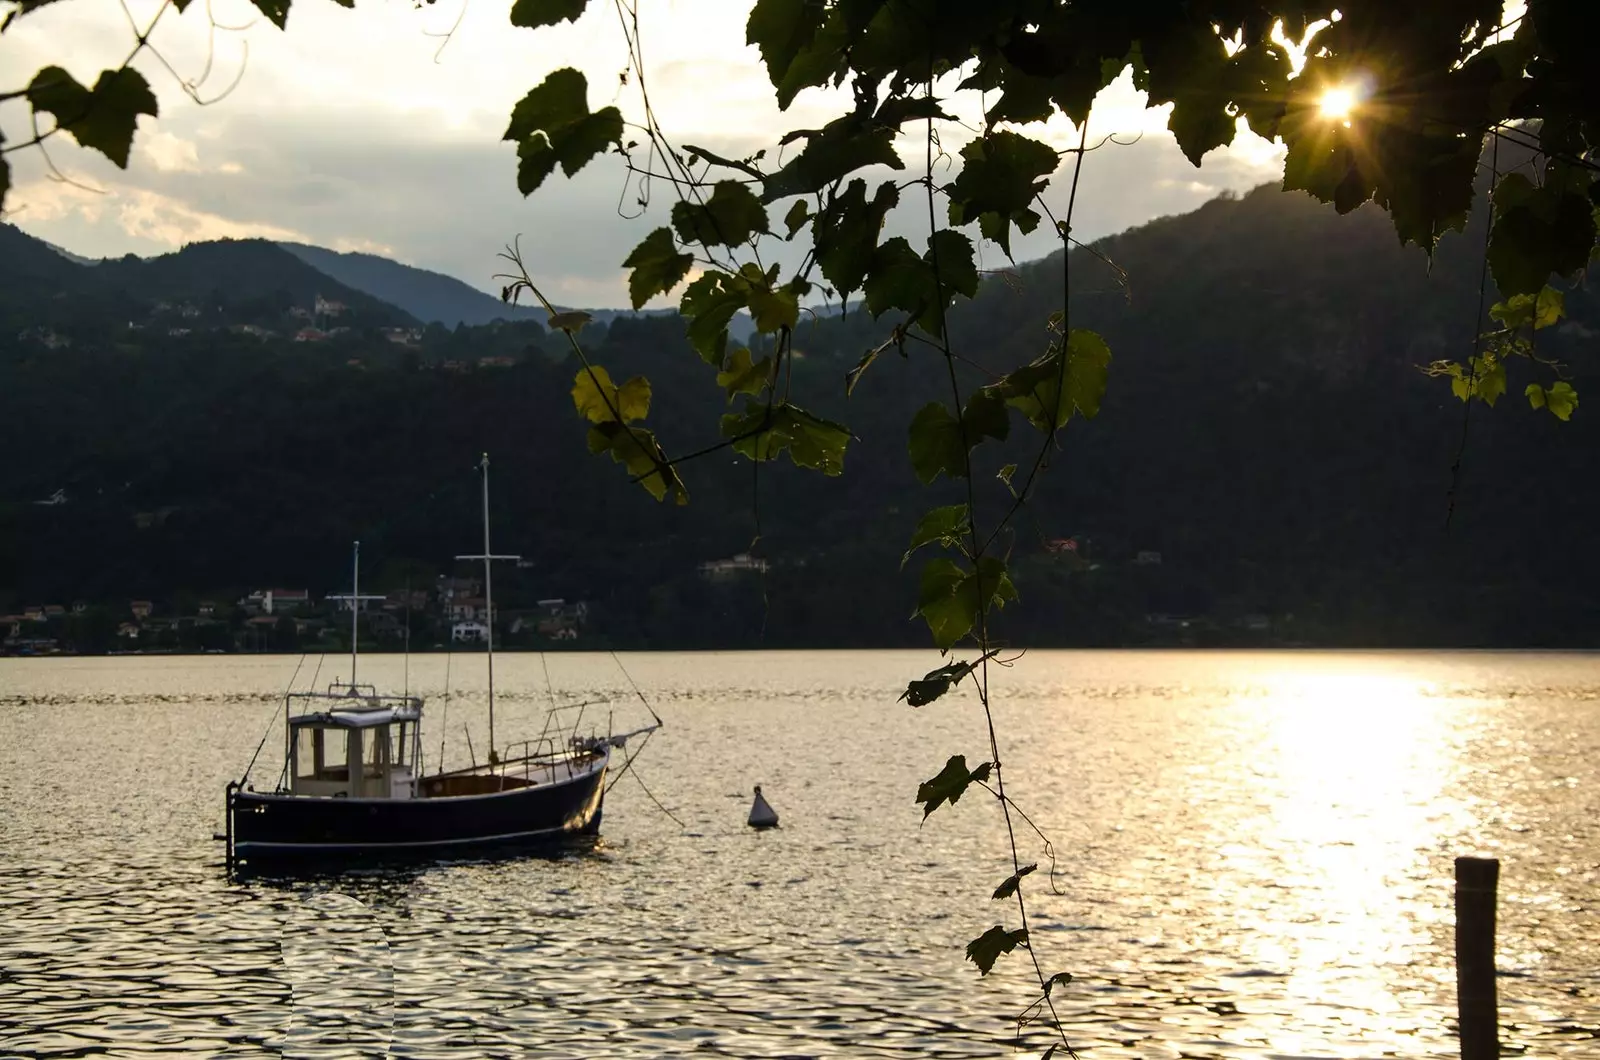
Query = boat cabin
x=365 y=749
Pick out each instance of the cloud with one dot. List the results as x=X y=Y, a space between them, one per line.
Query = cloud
x=346 y=133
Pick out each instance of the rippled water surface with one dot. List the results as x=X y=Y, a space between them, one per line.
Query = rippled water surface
x=1253 y=854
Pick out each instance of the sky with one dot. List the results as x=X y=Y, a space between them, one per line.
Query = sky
x=369 y=130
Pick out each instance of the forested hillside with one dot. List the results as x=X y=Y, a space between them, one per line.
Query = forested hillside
x=1269 y=465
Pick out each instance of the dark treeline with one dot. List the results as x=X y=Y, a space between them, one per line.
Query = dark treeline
x=1266 y=432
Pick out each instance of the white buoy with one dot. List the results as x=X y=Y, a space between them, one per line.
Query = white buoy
x=762 y=815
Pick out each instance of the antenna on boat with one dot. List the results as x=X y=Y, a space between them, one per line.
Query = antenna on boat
x=354 y=597
x=488 y=558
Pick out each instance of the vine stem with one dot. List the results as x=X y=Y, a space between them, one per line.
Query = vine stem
x=979 y=544
x=1477 y=336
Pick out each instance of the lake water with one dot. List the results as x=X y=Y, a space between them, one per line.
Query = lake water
x=1253 y=858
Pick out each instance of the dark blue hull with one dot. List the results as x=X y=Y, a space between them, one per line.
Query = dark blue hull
x=266 y=828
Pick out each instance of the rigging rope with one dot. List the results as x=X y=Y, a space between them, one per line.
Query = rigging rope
x=646 y=702
x=264 y=735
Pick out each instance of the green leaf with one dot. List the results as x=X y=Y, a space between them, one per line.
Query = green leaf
x=552 y=126
x=571 y=320
x=773 y=310
x=1542 y=311
x=1491 y=382
x=105 y=117
x=951 y=783
x=952 y=597
x=728 y=218
x=811 y=441
x=899 y=279
x=939 y=442
x=796 y=218
x=950 y=258
x=277 y=11
x=531 y=14
x=947 y=526
x=743 y=377
x=987 y=948
x=782 y=29
x=709 y=304
x=1538 y=231
x=657 y=267
x=1561 y=399
x=935 y=684
x=1005 y=475
x=846 y=233
x=598 y=400
x=831 y=153
x=1009 y=886
x=1037 y=389
x=637 y=449
x=1003 y=173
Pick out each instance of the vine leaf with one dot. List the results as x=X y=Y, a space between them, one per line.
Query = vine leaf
x=657 y=267
x=1009 y=885
x=900 y=279
x=1538 y=230
x=934 y=684
x=833 y=152
x=950 y=784
x=764 y=433
x=952 y=597
x=612 y=409
x=104 y=117
x=939 y=442
x=987 y=947
x=729 y=217
x=741 y=376
x=773 y=310
x=571 y=320
x=709 y=305
x=1036 y=389
x=552 y=126
x=1004 y=172
x=1560 y=399
x=846 y=233
x=595 y=396
x=796 y=218
x=1060 y=977
x=946 y=525
x=531 y=14
x=637 y=449
x=782 y=29
x=1542 y=310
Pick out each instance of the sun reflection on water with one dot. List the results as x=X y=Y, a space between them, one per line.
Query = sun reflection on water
x=1351 y=772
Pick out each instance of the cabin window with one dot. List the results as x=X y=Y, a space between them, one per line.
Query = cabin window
x=378 y=754
x=305 y=755
x=321 y=754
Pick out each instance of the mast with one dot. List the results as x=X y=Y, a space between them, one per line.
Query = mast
x=354 y=598
x=488 y=558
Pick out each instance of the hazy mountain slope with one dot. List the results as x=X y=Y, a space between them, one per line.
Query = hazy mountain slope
x=1266 y=431
x=428 y=296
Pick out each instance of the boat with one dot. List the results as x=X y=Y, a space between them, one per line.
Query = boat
x=354 y=783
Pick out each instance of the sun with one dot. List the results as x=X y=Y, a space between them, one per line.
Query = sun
x=1338 y=103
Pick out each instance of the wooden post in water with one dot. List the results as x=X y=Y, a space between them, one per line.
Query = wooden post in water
x=1478 y=1007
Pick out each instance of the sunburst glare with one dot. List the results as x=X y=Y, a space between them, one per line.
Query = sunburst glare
x=1339 y=103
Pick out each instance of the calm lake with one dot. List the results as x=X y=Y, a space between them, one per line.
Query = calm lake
x=1253 y=858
